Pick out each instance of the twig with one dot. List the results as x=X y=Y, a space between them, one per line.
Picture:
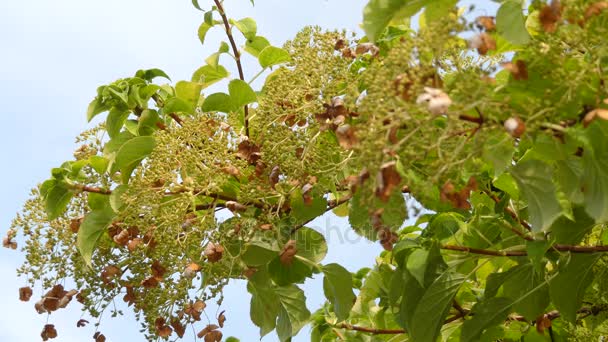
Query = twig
x=237 y=56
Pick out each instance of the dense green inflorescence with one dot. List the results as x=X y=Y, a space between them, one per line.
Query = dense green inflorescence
x=496 y=126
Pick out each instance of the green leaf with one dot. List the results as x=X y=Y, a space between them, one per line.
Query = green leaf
x=189 y=92
x=393 y=215
x=91 y=229
x=57 y=200
x=96 y=107
x=434 y=306
x=377 y=14
x=438 y=9
x=265 y=305
x=99 y=164
x=196 y=5
x=256 y=45
x=132 y=153
x=272 y=55
x=214 y=59
x=486 y=314
x=535 y=181
x=568 y=287
x=511 y=24
x=177 y=105
x=293 y=314
x=285 y=274
x=116 y=202
x=303 y=212
x=151 y=74
x=218 y=102
x=569 y=232
x=97 y=201
x=258 y=253
x=208 y=75
x=147 y=122
x=202 y=31
x=241 y=94
x=338 y=288
x=498 y=150
x=527 y=283
x=310 y=244
x=595 y=174
x=247 y=26
x=115 y=121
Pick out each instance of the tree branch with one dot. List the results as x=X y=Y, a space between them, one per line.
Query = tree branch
x=237 y=56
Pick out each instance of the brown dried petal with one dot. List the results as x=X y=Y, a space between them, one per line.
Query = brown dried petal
x=248 y=151
x=109 y=273
x=288 y=252
x=214 y=252
x=346 y=137
x=214 y=336
x=178 y=327
x=221 y=319
x=133 y=244
x=158 y=270
x=7 y=242
x=209 y=328
x=550 y=15
x=130 y=297
x=600 y=113
x=122 y=238
x=25 y=293
x=231 y=170
x=518 y=70
x=99 y=337
x=235 y=207
x=150 y=282
x=48 y=332
x=273 y=178
x=75 y=225
x=387 y=179
x=486 y=22
x=81 y=323
x=595 y=9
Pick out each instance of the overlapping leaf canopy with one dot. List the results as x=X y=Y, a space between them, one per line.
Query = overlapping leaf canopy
x=496 y=126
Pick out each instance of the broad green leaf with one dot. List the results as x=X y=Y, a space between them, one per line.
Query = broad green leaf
x=255 y=45
x=202 y=31
x=196 y=5
x=114 y=144
x=265 y=306
x=310 y=244
x=498 y=150
x=91 y=229
x=434 y=306
x=258 y=254
x=132 y=152
x=147 y=122
x=247 y=26
x=99 y=164
x=57 y=200
x=116 y=201
x=151 y=74
x=486 y=314
x=438 y=9
x=393 y=215
x=293 y=314
x=569 y=232
x=285 y=274
x=528 y=284
x=115 y=121
x=241 y=93
x=97 y=201
x=506 y=183
x=338 y=288
x=132 y=126
x=214 y=59
x=177 y=105
x=595 y=174
x=568 y=288
x=218 y=102
x=189 y=92
x=303 y=212
x=377 y=14
x=208 y=75
x=535 y=181
x=511 y=24
x=96 y=107
x=272 y=55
